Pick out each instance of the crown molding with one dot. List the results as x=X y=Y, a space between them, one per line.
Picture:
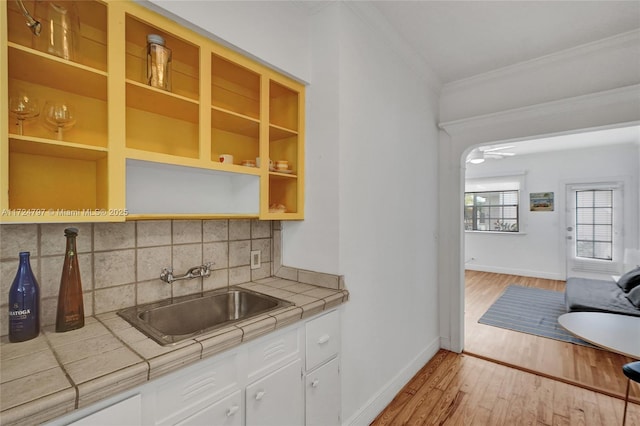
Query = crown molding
x=630 y=39
x=626 y=94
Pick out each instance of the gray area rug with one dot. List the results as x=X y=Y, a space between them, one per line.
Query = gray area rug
x=530 y=310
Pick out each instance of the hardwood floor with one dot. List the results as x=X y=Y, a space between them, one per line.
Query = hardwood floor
x=508 y=378
x=592 y=368
x=459 y=389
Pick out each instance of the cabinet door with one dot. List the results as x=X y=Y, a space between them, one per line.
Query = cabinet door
x=277 y=398
x=127 y=412
x=226 y=412
x=322 y=395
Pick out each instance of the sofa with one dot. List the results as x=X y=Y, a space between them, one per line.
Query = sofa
x=619 y=295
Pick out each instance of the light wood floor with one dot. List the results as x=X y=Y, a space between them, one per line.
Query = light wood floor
x=459 y=389
x=593 y=368
x=509 y=378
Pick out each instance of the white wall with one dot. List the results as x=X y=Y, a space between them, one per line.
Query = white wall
x=273 y=32
x=371 y=178
x=388 y=220
x=540 y=250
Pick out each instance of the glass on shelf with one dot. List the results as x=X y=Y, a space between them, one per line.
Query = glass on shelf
x=23 y=107
x=58 y=116
x=60 y=29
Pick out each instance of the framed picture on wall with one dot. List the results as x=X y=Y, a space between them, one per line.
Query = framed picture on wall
x=541 y=201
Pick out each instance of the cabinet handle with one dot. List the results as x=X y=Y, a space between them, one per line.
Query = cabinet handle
x=323 y=339
x=231 y=411
x=259 y=395
x=315 y=382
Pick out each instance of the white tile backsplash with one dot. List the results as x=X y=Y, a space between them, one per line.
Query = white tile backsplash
x=215 y=230
x=187 y=231
x=113 y=236
x=120 y=263
x=239 y=229
x=153 y=233
x=17 y=238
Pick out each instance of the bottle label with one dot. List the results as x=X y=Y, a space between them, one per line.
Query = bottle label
x=72 y=317
x=20 y=313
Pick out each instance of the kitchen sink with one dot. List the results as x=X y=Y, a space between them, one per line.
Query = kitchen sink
x=178 y=319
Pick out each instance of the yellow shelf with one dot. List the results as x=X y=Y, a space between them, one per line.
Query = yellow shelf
x=231 y=122
x=234 y=88
x=91 y=47
x=185 y=56
x=46 y=70
x=220 y=102
x=38 y=146
x=284 y=107
x=149 y=99
x=45 y=176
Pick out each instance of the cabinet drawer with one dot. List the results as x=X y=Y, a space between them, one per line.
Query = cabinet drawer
x=226 y=412
x=267 y=355
x=194 y=388
x=322 y=339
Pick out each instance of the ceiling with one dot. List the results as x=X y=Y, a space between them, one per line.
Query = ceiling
x=460 y=39
x=582 y=140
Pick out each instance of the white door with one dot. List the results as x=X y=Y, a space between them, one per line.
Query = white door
x=594 y=229
x=126 y=412
x=276 y=400
x=322 y=395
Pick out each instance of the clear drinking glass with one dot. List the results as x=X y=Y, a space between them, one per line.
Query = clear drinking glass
x=60 y=28
x=23 y=107
x=59 y=116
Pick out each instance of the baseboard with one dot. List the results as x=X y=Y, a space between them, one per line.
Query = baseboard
x=445 y=343
x=379 y=401
x=521 y=272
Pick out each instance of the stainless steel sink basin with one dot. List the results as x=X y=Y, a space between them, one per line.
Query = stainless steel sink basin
x=179 y=319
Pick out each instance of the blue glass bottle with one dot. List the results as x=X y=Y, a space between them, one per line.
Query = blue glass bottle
x=24 y=303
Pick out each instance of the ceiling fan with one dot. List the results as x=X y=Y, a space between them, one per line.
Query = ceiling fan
x=482 y=153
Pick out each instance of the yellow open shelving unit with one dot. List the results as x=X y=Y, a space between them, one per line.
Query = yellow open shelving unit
x=220 y=103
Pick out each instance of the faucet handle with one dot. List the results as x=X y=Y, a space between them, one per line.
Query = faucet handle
x=167 y=275
x=206 y=269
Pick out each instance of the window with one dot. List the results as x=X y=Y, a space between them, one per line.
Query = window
x=492 y=211
x=594 y=224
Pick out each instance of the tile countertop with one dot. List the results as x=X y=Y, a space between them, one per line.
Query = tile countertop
x=55 y=373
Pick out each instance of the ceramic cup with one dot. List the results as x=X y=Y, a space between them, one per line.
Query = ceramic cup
x=282 y=165
x=226 y=158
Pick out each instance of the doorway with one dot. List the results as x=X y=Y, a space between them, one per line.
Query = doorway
x=594 y=240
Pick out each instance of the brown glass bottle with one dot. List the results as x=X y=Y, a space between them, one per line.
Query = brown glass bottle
x=70 y=315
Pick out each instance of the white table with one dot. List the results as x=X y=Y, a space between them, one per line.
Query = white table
x=617 y=333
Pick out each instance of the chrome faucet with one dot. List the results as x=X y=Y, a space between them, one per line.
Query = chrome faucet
x=196 y=272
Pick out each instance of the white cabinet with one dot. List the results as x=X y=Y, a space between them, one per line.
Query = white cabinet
x=276 y=399
x=322 y=395
x=322 y=378
x=191 y=394
x=126 y=412
x=290 y=377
